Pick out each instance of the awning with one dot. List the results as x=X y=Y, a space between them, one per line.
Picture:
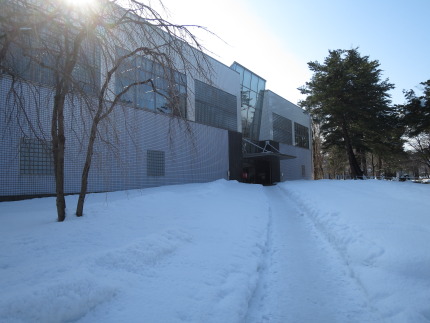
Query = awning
x=268 y=155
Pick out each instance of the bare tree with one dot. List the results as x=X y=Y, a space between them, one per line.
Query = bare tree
x=41 y=34
x=90 y=55
x=421 y=145
x=137 y=35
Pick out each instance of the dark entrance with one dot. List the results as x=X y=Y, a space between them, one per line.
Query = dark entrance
x=263 y=172
x=260 y=171
x=261 y=162
x=235 y=155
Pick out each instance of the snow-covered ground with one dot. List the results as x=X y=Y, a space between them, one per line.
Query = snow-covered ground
x=303 y=251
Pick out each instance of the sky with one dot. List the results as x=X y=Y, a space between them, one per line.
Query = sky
x=277 y=38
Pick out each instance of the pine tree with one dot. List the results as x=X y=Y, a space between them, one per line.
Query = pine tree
x=416 y=112
x=416 y=119
x=351 y=102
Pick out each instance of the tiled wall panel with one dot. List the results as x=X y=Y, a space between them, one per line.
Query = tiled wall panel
x=193 y=152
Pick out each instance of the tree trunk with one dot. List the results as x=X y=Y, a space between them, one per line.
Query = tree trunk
x=364 y=163
x=379 y=170
x=86 y=169
x=317 y=159
x=356 y=172
x=317 y=152
x=353 y=164
x=57 y=123
x=58 y=149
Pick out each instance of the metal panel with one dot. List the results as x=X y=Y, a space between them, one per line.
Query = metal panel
x=193 y=152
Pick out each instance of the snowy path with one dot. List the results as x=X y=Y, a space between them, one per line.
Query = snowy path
x=304 y=279
x=302 y=251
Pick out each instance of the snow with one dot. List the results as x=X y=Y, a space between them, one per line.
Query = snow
x=381 y=230
x=301 y=251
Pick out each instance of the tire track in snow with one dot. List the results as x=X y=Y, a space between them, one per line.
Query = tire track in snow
x=304 y=279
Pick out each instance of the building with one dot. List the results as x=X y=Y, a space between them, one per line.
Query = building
x=276 y=133
x=231 y=126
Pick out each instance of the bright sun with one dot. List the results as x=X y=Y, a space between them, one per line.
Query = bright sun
x=83 y=4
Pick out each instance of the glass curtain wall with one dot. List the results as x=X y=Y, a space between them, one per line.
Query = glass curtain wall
x=168 y=92
x=37 y=58
x=252 y=92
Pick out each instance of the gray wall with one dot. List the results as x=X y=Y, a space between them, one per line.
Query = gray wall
x=196 y=153
x=223 y=78
x=274 y=103
x=291 y=169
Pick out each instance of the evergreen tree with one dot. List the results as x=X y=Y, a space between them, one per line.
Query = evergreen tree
x=416 y=119
x=416 y=112
x=351 y=102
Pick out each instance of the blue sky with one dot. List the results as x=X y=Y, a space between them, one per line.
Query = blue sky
x=276 y=38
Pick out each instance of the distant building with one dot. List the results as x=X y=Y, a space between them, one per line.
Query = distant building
x=235 y=129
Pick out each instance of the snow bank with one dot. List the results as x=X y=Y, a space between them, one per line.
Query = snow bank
x=382 y=231
x=206 y=252
x=189 y=253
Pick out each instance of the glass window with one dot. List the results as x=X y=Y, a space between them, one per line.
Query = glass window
x=241 y=72
x=147 y=65
x=182 y=90
x=166 y=82
x=251 y=101
x=253 y=98
x=238 y=69
x=247 y=79
x=261 y=85
x=155 y=163
x=301 y=134
x=254 y=82
x=35 y=157
x=180 y=78
x=158 y=69
x=161 y=104
x=161 y=83
x=148 y=101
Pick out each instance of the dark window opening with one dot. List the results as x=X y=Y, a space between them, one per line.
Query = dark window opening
x=301 y=135
x=155 y=163
x=35 y=157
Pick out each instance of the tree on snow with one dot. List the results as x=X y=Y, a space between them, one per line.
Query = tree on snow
x=347 y=97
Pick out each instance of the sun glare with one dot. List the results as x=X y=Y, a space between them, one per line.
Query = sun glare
x=82 y=4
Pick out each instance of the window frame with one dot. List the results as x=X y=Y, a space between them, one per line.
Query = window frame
x=35 y=157
x=301 y=135
x=155 y=163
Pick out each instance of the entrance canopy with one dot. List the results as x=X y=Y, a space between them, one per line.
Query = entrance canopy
x=256 y=150
x=261 y=162
x=268 y=155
